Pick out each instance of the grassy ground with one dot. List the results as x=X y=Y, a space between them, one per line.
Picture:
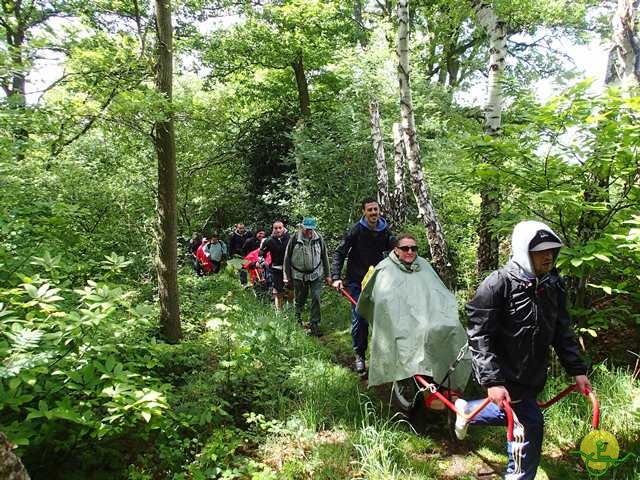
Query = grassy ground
x=278 y=404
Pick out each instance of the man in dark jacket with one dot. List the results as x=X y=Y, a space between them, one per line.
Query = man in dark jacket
x=276 y=244
x=238 y=237
x=254 y=242
x=517 y=313
x=192 y=248
x=363 y=246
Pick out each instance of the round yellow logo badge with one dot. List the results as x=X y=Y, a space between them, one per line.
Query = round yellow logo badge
x=599 y=450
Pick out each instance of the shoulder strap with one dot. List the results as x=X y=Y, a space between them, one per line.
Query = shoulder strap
x=292 y=242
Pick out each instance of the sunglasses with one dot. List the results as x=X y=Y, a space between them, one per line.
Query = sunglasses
x=406 y=248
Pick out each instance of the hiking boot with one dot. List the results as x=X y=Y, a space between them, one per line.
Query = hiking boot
x=461 y=422
x=360 y=365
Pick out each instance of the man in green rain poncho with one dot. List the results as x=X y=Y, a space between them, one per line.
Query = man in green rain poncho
x=416 y=330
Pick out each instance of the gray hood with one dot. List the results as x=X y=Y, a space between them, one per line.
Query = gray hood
x=523 y=233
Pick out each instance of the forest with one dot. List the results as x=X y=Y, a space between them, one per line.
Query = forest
x=128 y=125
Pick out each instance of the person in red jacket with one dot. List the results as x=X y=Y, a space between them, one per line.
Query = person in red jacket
x=203 y=259
x=251 y=263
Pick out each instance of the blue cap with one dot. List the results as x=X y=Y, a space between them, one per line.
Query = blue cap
x=309 y=223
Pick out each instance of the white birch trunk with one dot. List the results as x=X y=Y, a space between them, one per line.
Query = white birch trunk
x=399 y=194
x=623 y=68
x=435 y=235
x=381 y=162
x=497 y=31
x=488 y=247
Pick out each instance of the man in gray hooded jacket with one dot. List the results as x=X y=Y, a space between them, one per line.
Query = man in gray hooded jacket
x=306 y=264
x=517 y=314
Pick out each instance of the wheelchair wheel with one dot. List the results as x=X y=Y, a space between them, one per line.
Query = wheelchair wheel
x=405 y=394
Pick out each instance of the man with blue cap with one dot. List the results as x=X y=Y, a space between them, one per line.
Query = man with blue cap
x=306 y=264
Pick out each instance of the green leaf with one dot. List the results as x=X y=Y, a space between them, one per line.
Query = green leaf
x=591 y=332
x=109 y=364
x=602 y=257
x=31 y=290
x=35 y=414
x=576 y=262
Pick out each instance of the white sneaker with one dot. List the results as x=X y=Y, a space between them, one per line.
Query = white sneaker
x=461 y=422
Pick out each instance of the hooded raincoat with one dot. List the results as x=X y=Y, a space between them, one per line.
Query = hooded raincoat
x=415 y=324
x=515 y=317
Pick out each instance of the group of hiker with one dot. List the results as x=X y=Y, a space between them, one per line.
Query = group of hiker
x=516 y=315
x=207 y=253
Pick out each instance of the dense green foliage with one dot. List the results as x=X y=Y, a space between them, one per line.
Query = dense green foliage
x=245 y=395
x=86 y=382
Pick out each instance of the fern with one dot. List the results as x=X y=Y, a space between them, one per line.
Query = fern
x=19 y=362
x=25 y=340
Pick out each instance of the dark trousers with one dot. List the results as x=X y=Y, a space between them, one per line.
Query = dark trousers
x=359 y=324
x=216 y=266
x=524 y=451
x=301 y=290
x=197 y=267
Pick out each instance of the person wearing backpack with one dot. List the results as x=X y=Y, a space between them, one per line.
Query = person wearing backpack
x=216 y=250
x=306 y=265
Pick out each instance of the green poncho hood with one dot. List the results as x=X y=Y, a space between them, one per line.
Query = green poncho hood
x=415 y=324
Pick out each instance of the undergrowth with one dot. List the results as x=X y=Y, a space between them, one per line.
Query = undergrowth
x=247 y=394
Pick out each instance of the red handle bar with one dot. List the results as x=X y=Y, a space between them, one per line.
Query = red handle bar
x=595 y=405
x=346 y=295
x=595 y=421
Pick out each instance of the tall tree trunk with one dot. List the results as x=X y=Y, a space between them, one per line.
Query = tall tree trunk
x=622 y=70
x=489 y=195
x=381 y=162
x=11 y=467
x=399 y=194
x=357 y=16
x=303 y=86
x=624 y=57
x=450 y=58
x=164 y=140
x=437 y=242
x=16 y=89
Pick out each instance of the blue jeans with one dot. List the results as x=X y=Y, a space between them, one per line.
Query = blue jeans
x=359 y=325
x=524 y=451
